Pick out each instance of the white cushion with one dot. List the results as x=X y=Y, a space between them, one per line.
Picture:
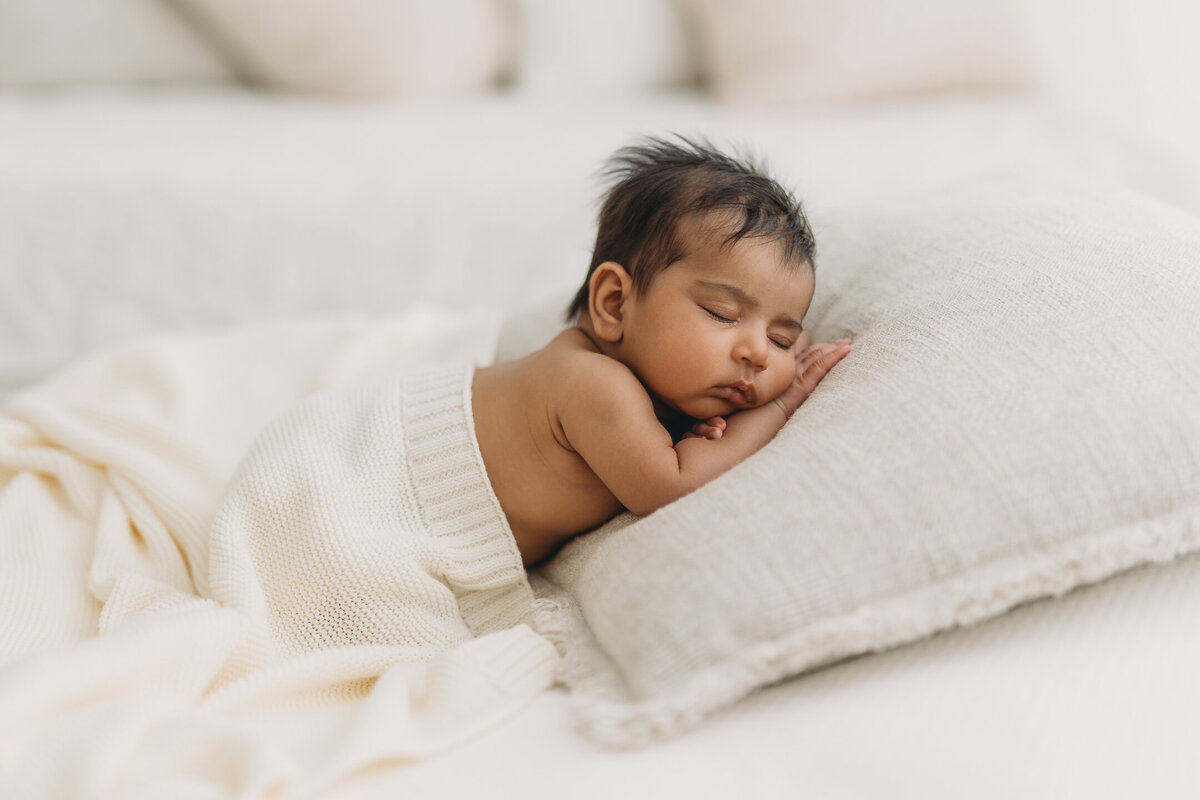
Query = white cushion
x=580 y=48
x=371 y=49
x=1019 y=416
x=60 y=42
x=795 y=51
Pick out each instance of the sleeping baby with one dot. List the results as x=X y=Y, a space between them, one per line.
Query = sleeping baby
x=403 y=511
x=688 y=353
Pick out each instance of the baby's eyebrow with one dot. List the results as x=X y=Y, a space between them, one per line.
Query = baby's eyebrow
x=738 y=294
x=734 y=291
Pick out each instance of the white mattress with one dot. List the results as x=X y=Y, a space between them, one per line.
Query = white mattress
x=127 y=213
x=1091 y=695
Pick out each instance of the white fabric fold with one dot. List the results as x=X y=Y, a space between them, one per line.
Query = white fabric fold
x=123 y=674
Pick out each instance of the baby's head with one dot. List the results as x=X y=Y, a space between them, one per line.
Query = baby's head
x=656 y=185
x=701 y=275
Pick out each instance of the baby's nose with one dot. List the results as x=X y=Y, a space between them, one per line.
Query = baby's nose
x=753 y=351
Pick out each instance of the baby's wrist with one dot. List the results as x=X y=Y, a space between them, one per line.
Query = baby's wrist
x=778 y=401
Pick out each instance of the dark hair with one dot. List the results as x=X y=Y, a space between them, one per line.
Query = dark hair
x=657 y=183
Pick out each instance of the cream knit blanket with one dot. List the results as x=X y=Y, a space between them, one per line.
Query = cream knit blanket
x=175 y=625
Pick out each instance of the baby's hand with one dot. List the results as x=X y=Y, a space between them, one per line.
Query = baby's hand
x=711 y=428
x=812 y=364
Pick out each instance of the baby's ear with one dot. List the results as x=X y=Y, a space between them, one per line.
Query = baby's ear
x=608 y=289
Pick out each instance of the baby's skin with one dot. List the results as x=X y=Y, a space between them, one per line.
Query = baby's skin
x=654 y=393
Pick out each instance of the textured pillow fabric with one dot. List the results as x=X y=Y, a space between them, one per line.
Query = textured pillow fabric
x=368 y=49
x=1020 y=416
x=63 y=42
x=795 y=51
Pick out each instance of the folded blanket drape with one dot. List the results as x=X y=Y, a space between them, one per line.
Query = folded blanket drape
x=364 y=516
x=175 y=625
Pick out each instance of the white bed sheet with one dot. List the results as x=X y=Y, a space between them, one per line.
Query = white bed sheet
x=125 y=213
x=1092 y=695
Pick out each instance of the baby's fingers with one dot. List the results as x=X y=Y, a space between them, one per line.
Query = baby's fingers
x=711 y=428
x=818 y=360
x=813 y=352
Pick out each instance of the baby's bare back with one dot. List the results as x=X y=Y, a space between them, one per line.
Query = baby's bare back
x=547 y=491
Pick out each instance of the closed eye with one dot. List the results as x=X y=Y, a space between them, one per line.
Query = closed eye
x=717 y=316
x=782 y=344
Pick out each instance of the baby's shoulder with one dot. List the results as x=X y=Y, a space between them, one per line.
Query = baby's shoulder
x=573 y=365
x=586 y=385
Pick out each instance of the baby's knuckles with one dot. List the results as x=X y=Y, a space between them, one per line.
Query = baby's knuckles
x=807 y=377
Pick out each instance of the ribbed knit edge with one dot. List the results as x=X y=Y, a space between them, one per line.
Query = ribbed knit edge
x=604 y=710
x=457 y=503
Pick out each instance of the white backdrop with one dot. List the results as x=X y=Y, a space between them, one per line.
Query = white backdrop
x=1133 y=61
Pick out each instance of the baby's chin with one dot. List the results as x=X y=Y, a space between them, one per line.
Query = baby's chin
x=706 y=407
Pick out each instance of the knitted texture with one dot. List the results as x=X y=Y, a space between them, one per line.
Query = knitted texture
x=364 y=516
x=182 y=621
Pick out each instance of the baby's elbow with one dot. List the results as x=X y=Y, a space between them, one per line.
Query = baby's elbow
x=652 y=498
x=643 y=507
x=661 y=485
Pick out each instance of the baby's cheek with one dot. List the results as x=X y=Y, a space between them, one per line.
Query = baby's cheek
x=782 y=376
x=774 y=389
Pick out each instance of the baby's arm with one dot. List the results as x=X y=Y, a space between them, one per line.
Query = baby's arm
x=753 y=428
x=813 y=362
x=608 y=419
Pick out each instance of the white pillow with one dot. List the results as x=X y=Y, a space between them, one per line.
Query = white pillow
x=1020 y=415
x=796 y=51
x=370 y=49
x=583 y=48
x=59 y=42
